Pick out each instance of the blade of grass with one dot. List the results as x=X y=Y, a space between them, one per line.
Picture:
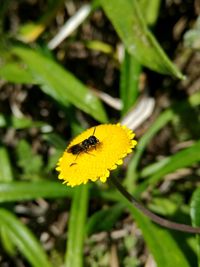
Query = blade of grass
x=129 y=78
x=150 y=10
x=131 y=68
x=24 y=239
x=60 y=84
x=56 y=140
x=162 y=120
x=127 y=19
x=19 y=191
x=104 y=220
x=76 y=231
x=6 y=174
x=195 y=216
x=6 y=241
x=16 y=73
x=154 y=167
x=29 y=162
x=99 y=46
x=19 y=123
x=159 y=241
x=159 y=123
x=181 y=159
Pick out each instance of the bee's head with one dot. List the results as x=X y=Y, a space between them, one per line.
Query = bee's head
x=93 y=140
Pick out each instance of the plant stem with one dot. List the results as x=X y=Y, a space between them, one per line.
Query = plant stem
x=155 y=218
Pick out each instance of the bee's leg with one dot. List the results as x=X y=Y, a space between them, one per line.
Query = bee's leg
x=89 y=153
x=73 y=163
x=77 y=155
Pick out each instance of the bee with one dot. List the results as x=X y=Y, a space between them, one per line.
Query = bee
x=84 y=146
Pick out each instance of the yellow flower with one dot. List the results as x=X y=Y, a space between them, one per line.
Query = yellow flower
x=85 y=162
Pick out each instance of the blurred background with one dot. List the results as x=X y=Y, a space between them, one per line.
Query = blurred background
x=69 y=65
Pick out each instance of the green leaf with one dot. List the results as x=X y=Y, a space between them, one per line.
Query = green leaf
x=195 y=208
x=104 y=220
x=162 y=120
x=181 y=159
x=60 y=84
x=150 y=10
x=129 y=79
x=99 y=46
x=166 y=206
x=6 y=174
x=127 y=19
x=159 y=241
x=19 y=123
x=195 y=215
x=6 y=241
x=76 y=232
x=52 y=161
x=15 y=73
x=19 y=191
x=154 y=167
x=25 y=241
x=56 y=140
x=30 y=163
x=2 y=120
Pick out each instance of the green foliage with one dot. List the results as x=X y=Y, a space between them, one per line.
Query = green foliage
x=136 y=37
x=195 y=215
x=15 y=73
x=19 y=123
x=29 y=162
x=20 y=191
x=78 y=214
x=153 y=236
x=46 y=100
x=104 y=220
x=184 y=158
x=6 y=173
x=24 y=240
x=129 y=81
x=60 y=84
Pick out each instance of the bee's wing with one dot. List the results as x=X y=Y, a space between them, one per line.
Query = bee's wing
x=75 y=149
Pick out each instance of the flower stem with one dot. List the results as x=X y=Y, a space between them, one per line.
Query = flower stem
x=155 y=218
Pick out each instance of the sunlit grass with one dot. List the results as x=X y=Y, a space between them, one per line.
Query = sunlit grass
x=97 y=74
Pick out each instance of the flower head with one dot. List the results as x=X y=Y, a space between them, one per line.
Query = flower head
x=88 y=158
